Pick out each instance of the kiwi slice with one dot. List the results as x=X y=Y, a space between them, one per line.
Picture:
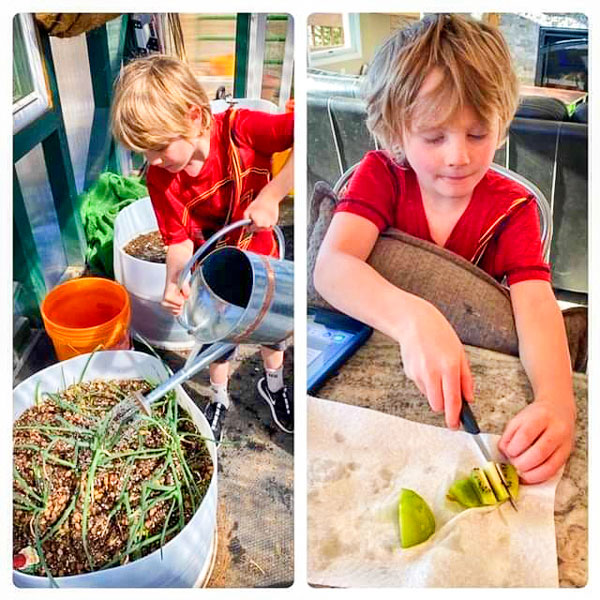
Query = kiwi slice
x=463 y=492
x=511 y=477
x=495 y=481
x=482 y=487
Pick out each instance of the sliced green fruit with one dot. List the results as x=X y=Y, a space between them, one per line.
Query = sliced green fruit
x=495 y=481
x=463 y=492
x=482 y=487
x=416 y=520
x=511 y=477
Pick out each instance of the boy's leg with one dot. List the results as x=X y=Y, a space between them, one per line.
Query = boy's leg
x=216 y=410
x=272 y=388
x=219 y=377
x=273 y=362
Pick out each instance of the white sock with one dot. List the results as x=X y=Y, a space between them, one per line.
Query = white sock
x=274 y=378
x=218 y=393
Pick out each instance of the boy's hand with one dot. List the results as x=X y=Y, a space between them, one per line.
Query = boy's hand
x=177 y=257
x=434 y=358
x=539 y=439
x=263 y=210
x=173 y=297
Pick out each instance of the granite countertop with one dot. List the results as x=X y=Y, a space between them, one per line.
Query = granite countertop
x=373 y=378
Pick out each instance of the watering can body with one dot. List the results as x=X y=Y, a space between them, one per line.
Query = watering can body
x=238 y=296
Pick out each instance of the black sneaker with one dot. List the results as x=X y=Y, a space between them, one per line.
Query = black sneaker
x=280 y=403
x=215 y=414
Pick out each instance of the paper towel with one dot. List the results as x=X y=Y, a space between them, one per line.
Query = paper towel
x=360 y=459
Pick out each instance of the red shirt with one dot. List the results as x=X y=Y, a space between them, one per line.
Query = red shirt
x=499 y=230
x=238 y=166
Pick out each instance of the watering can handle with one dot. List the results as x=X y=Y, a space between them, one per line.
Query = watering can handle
x=185 y=273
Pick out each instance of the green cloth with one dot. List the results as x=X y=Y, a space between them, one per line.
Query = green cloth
x=99 y=208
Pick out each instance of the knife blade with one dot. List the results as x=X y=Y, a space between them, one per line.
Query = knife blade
x=470 y=425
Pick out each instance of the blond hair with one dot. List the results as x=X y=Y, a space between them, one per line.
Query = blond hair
x=152 y=101
x=476 y=71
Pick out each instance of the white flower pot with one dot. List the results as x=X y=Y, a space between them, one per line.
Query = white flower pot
x=145 y=281
x=185 y=559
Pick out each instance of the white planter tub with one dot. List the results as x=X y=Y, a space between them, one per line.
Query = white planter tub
x=186 y=559
x=145 y=281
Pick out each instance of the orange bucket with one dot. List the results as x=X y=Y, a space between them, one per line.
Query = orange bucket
x=87 y=314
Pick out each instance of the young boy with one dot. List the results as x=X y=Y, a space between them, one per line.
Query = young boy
x=206 y=171
x=440 y=99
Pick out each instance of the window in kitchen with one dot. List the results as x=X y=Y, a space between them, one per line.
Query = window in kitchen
x=333 y=37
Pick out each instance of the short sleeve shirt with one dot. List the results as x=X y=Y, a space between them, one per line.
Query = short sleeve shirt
x=499 y=230
x=195 y=207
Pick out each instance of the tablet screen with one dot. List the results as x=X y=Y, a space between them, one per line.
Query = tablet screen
x=331 y=339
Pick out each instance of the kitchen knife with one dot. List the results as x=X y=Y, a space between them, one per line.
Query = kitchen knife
x=470 y=426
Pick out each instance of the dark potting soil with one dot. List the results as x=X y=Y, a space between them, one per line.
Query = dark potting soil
x=151 y=248
x=88 y=493
x=148 y=246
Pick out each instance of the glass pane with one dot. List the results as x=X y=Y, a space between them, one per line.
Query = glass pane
x=566 y=65
x=113 y=31
x=22 y=78
x=41 y=212
x=274 y=54
x=326 y=31
x=77 y=99
x=210 y=47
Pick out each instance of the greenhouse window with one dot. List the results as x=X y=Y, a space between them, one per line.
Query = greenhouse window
x=30 y=95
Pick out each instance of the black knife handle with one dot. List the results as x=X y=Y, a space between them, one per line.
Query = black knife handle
x=467 y=418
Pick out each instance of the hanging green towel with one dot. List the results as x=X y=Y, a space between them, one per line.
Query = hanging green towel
x=100 y=206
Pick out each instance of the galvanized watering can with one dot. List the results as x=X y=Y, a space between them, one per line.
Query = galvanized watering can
x=238 y=296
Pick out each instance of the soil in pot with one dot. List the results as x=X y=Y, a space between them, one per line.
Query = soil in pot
x=89 y=494
x=147 y=246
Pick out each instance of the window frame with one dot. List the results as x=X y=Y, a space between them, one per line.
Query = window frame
x=35 y=104
x=351 y=50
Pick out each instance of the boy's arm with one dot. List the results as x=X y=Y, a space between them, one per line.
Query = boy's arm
x=177 y=257
x=539 y=439
x=432 y=355
x=264 y=209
